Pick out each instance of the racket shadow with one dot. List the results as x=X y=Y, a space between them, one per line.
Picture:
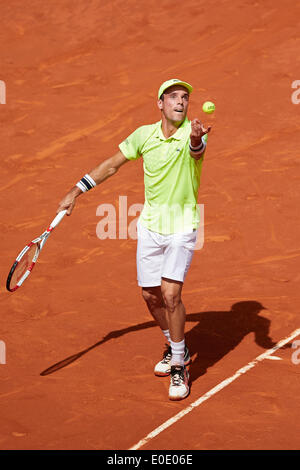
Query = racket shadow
x=214 y=335
x=108 y=337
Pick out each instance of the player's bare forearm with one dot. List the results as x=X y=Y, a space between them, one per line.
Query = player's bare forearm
x=108 y=168
x=196 y=145
x=99 y=174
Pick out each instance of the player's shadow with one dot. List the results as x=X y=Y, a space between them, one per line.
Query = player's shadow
x=215 y=334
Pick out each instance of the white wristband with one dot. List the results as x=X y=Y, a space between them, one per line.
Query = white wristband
x=197 y=149
x=86 y=183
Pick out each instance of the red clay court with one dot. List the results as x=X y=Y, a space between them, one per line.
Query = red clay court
x=80 y=343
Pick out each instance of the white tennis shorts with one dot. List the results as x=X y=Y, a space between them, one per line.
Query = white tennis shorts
x=160 y=256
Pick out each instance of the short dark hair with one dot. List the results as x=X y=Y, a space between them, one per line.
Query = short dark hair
x=161 y=97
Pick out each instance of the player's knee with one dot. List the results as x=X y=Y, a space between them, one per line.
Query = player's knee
x=151 y=298
x=171 y=300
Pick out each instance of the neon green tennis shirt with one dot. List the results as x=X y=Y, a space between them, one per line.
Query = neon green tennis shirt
x=171 y=177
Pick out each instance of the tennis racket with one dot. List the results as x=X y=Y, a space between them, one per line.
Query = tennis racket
x=27 y=258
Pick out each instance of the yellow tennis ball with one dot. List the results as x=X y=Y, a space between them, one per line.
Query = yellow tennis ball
x=208 y=107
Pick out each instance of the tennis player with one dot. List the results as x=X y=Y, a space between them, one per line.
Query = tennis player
x=172 y=151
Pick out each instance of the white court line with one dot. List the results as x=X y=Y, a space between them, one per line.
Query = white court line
x=214 y=390
x=274 y=358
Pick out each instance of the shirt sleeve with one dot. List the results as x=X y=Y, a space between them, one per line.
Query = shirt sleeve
x=131 y=147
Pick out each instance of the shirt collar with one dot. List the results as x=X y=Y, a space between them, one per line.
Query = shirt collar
x=178 y=134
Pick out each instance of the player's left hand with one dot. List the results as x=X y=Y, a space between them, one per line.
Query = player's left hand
x=198 y=131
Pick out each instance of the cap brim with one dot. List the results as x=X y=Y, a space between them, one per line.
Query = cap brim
x=169 y=84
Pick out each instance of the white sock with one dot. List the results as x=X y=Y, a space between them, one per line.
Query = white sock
x=177 y=353
x=167 y=335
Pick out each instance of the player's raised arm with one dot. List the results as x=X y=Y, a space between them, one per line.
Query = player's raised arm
x=96 y=176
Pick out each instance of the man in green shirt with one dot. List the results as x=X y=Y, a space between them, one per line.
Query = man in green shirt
x=172 y=151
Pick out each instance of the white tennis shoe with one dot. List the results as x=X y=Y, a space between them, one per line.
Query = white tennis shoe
x=163 y=367
x=179 y=384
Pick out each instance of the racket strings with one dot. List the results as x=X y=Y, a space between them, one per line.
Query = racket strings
x=25 y=264
x=27 y=258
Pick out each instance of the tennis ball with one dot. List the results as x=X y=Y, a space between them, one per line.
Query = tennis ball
x=208 y=107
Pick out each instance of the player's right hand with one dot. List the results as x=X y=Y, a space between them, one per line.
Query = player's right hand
x=67 y=203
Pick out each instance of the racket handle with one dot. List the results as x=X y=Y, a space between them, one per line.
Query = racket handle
x=57 y=219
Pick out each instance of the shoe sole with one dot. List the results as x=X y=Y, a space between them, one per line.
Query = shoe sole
x=166 y=374
x=161 y=374
x=180 y=398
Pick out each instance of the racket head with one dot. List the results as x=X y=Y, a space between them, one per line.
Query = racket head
x=23 y=266
x=27 y=258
